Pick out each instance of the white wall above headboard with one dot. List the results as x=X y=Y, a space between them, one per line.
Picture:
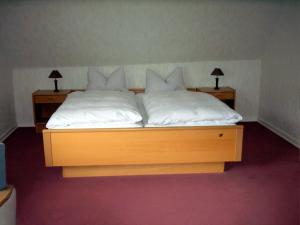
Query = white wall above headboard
x=243 y=75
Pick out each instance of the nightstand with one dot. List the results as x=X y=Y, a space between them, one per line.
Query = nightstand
x=225 y=94
x=45 y=103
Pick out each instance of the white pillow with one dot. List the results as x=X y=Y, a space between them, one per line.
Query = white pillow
x=173 y=82
x=115 y=82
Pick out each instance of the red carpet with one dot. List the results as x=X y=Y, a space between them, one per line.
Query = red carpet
x=262 y=190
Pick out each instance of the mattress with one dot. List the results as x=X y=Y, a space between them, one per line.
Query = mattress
x=132 y=104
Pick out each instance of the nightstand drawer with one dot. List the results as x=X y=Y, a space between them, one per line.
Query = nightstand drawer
x=223 y=95
x=49 y=99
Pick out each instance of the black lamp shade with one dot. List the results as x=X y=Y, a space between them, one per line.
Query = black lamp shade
x=217 y=72
x=55 y=74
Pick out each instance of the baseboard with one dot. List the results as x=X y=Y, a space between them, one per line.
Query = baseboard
x=249 y=119
x=26 y=124
x=8 y=132
x=280 y=132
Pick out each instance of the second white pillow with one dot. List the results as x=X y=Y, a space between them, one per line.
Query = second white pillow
x=173 y=82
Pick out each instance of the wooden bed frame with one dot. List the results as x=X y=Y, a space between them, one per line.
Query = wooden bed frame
x=137 y=151
x=141 y=151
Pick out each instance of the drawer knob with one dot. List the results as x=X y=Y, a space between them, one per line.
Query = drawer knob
x=221 y=135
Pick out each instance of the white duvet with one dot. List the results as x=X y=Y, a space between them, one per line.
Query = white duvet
x=96 y=109
x=185 y=108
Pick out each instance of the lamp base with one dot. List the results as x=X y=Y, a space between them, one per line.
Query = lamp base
x=217 y=84
x=55 y=85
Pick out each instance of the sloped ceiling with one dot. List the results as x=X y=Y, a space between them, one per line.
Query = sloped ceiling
x=48 y=33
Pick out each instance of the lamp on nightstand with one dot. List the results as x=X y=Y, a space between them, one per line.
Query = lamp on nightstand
x=55 y=74
x=217 y=72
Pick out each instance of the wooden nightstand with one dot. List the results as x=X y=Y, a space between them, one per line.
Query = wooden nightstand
x=45 y=103
x=225 y=94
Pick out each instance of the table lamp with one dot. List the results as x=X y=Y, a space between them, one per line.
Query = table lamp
x=217 y=72
x=55 y=74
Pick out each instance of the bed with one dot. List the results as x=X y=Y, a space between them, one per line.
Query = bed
x=142 y=150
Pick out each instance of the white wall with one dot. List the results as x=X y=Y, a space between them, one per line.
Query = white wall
x=82 y=33
x=7 y=113
x=243 y=75
x=280 y=83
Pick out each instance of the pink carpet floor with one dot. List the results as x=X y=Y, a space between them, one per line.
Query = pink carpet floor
x=261 y=190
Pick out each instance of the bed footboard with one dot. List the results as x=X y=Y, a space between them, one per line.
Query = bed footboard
x=137 y=151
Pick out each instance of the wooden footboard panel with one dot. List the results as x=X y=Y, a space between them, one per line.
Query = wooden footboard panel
x=142 y=146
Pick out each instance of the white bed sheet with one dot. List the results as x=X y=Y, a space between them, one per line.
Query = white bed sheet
x=97 y=109
x=203 y=110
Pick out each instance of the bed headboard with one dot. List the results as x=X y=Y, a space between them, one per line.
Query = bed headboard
x=142 y=90
x=137 y=90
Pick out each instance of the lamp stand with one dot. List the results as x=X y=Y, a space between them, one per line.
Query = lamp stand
x=55 y=84
x=217 y=83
